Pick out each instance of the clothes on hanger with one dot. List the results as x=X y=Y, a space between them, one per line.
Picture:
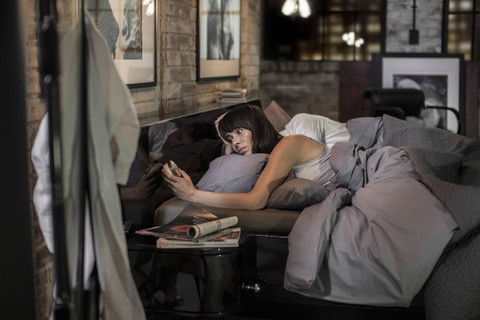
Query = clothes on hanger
x=112 y=135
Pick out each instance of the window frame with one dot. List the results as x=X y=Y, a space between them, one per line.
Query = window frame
x=475 y=13
x=322 y=13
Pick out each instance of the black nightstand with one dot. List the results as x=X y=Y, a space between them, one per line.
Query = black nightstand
x=203 y=281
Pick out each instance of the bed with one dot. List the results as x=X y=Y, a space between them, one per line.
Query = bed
x=403 y=218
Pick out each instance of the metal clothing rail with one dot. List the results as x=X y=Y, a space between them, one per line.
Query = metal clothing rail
x=76 y=302
x=49 y=72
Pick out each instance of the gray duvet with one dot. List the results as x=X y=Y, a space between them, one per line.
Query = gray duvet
x=398 y=202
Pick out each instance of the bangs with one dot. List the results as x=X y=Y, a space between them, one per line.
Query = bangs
x=250 y=117
x=231 y=121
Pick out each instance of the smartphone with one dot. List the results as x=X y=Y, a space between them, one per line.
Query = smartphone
x=153 y=166
x=172 y=168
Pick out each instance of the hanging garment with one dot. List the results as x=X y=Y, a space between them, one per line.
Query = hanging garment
x=42 y=194
x=112 y=135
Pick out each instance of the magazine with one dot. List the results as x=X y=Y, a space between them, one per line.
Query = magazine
x=224 y=238
x=204 y=229
x=193 y=224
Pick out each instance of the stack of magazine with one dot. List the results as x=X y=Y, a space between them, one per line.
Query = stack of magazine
x=195 y=228
x=233 y=96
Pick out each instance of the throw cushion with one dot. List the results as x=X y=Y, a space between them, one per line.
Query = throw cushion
x=277 y=116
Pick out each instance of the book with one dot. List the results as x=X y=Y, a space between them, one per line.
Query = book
x=223 y=100
x=228 y=237
x=194 y=227
x=234 y=92
x=233 y=96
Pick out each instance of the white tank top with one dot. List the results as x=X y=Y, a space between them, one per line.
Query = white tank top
x=317 y=170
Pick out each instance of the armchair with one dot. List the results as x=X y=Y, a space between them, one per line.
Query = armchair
x=405 y=103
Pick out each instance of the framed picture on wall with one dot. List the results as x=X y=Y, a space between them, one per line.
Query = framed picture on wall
x=441 y=77
x=218 y=41
x=128 y=27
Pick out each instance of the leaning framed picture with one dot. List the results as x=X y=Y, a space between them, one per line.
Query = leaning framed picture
x=440 y=76
x=218 y=41
x=128 y=27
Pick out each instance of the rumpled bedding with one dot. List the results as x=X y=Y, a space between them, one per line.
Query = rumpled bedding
x=448 y=164
x=403 y=193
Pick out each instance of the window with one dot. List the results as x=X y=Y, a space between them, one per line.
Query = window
x=337 y=30
x=463 y=29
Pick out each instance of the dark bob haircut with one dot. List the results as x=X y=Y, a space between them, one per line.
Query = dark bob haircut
x=251 y=117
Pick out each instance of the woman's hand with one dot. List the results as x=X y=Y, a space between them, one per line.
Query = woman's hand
x=145 y=187
x=227 y=145
x=182 y=186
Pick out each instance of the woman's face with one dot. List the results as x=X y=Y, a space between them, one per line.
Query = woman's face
x=241 y=140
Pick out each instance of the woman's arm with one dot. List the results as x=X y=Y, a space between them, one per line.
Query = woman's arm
x=289 y=151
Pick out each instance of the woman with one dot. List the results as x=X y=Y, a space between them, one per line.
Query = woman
x=247 y=130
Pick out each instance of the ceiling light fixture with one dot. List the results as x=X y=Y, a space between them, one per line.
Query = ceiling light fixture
x=294 y=7
x=413 y=34
x=349 y=38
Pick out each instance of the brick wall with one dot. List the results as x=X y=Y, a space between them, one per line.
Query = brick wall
x=177 y=91
x=428 y=23
x=301 y=86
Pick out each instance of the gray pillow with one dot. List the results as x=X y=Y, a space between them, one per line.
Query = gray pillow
x=233 y=173
x=297 y=194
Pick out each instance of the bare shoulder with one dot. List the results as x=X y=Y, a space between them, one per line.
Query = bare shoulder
x=299 y=147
